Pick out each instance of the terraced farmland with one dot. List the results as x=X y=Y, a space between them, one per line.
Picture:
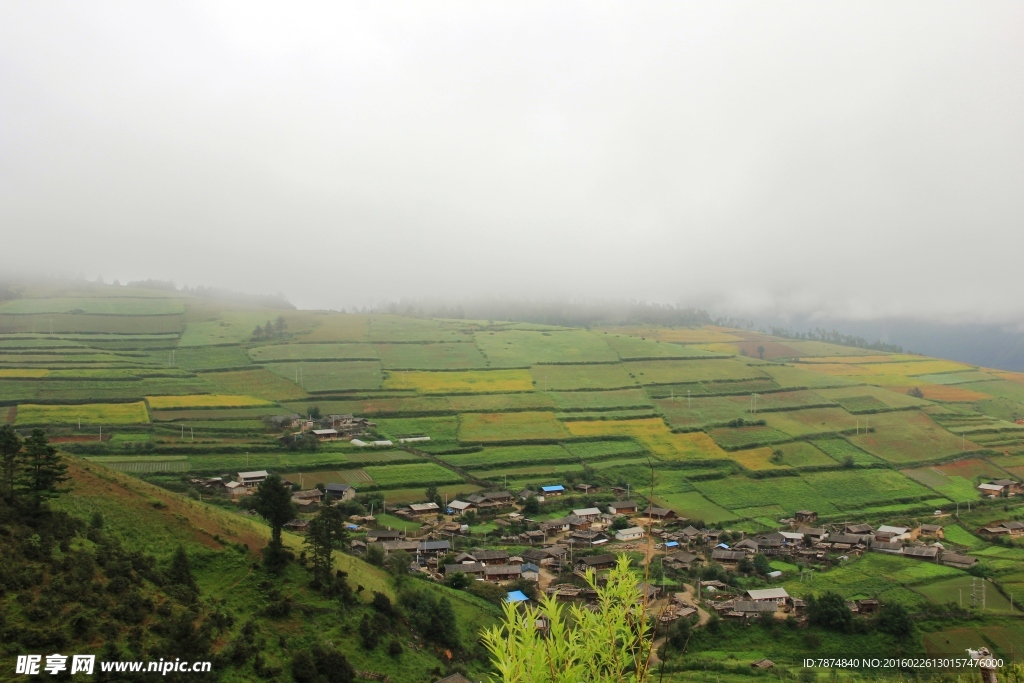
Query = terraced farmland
x=524 y=401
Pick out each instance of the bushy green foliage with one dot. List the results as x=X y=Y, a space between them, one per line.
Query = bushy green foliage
x=610 y=644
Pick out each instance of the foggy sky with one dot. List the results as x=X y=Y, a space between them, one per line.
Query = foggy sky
x=851 y=159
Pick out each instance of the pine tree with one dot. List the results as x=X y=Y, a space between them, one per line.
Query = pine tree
x=10 y=449
x=273 y=502
x=326 y=534
x=42 y=469
x=181 y=569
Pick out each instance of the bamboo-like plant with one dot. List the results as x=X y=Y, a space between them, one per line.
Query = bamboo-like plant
x=611 y=644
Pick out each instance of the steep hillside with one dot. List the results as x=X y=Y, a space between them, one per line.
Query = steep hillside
x=97 y=575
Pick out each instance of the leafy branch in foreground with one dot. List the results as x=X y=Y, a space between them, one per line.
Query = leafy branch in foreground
x=611 y=644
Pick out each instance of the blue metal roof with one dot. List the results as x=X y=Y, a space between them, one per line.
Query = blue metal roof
x=516 y=596
x=530 y=567
x=556 y=487
x=672 y=544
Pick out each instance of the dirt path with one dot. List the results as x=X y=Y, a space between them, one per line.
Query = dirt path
x=689 y=596
x=545 y=579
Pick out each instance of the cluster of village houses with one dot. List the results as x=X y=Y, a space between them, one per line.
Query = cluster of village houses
x=569 y=542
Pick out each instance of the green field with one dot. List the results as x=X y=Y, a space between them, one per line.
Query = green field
x=321 y=376
x=789 y=493
x=909 y=436
x=883 y=397
x=510 y=455
x=204 y=401
x=813 y=421
x=437 y=428
x=424 y=474
x=803 y=454
x=851 y=489
x=440 y=356
x=521 y=426
x=494 y=403
x=731 y=438
x=694 y=506
x=520 y=349
x=86 y=413
x=956 y=488
x=681 y=371
x=958 y=590
x=588 y=450
x=291 y=352
x=600 y=400
x=790 y=377
x=255 y=382
x=635 y=348
x=144 y=464
x=394 y=328
x=954 y=533
x=576 y=377
x=874 y=575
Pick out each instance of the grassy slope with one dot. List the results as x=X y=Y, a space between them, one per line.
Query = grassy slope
x=156 y=521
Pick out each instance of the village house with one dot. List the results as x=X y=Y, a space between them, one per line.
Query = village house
x=597 y=562
x=1012 y=487
x=530 y=571
x=689 y=534
x=587 y=514
x=555 y=526
x=339 y=491
x=748 y=545
x=459 y=507
x=433 y=548
x=326 y=434
x=526 y=494
x=536 y=556
x=298 y=525
x=680 y=560
x=251 y=479
x=552 y=490
x=815 y=534
x=474 y=569
x=859 y=529
x=394 y=546
x=991 y=490
x=958 y=561
x=931 y=531
x=578 y=523
x=659 y=513
x=889 y=547
x=622 y=507
x=806 y=517
x=587 y=538
x=751 y=608
x=894 y=533
x=728 y=558
x=424 y=508
x=777 y=595
x=632 y=533
x=308 y=500
x=848 y=541
x=1012 y=529
x=489 y=557
x=502 y=572
x=587 y=488
x=235 y=489
x=921 y=552
x=375 y=535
